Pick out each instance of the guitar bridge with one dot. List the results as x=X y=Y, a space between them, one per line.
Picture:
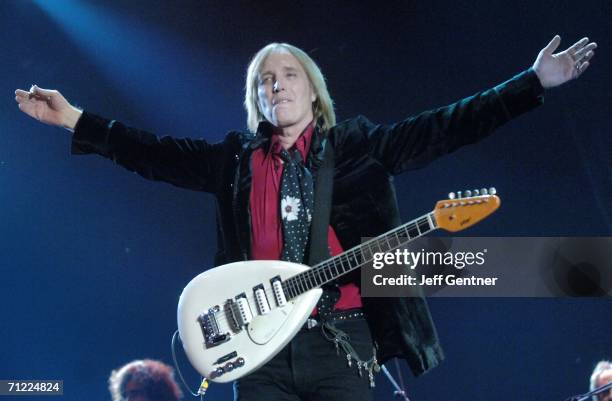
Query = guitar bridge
x=210 y=328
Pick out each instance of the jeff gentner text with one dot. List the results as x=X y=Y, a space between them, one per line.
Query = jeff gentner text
x=435 y=280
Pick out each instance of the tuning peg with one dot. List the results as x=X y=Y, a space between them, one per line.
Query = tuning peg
x=459 y=196
x=468 y=193
x=484 y=191
x=451 y=195
x=492 y=190
x=476 y=192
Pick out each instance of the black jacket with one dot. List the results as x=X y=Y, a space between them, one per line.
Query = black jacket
x=363 y=203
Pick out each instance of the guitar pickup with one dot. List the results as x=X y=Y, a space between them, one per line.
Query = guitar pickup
x=244 y=310
x=277 y=289
x=260 y=298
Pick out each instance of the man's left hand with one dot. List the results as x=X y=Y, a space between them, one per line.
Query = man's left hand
x=556 y=69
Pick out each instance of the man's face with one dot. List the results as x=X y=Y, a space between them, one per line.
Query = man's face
x=604 y=378
x=284 y=91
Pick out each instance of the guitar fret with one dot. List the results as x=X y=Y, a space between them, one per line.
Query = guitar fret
x=405 y=230
x=389 y=246
x=374 y=244
x=321 y=274
x=357 y=256
x=424 y=225
x=366 y=251
x=343 y=263
x=347 y=267
x=389 y=243
x=371 y=246
x=289 y=289
x=331 y=268
x=308 y=279
x=294 y=288
x=380 y=244
x=317 y=276
x=336 y=266
x=395 y=240
x=413 y=232
x=328 y=275
x=312 y=281
x=305 y=282
x=431 y=221
x=399 y=239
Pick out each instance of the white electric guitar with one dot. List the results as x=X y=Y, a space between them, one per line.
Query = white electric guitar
x=234 y=318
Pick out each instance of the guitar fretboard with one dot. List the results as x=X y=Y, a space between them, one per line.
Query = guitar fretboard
x=357 y=256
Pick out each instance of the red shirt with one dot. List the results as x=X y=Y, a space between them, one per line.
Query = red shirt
x=266 y=225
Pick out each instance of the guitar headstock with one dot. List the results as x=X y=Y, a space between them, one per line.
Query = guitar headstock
x=464 y=209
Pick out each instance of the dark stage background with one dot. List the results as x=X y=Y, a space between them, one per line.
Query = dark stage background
x=93 y=258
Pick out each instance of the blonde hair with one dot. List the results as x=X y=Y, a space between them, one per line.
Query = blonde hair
x=323 y=106
x=599 y=369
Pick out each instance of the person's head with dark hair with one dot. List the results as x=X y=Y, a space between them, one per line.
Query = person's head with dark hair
x=144 y=380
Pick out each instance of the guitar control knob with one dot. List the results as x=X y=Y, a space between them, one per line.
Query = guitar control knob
x=239 y=362
x=468 y=193
x=451 y=195
x=476 y=192
x=228 y=367
x=459 y=196
x=219 y=371
x=484 y=191
x=492 y=190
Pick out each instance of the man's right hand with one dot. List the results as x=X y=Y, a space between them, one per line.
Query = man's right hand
x=48 y=106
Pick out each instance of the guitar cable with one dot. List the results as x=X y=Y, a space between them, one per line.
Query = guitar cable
x=400 y=389
x=203 y=385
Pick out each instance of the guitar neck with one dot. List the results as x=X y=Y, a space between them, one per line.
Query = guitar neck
x=344 y=263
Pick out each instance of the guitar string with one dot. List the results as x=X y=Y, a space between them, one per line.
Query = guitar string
x=293 y=284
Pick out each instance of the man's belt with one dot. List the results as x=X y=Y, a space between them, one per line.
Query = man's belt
x=349 y=314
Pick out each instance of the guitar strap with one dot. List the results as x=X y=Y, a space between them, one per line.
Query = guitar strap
x=319 y=247
x=324 y=186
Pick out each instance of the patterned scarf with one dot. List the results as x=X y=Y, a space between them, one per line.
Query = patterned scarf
x=296 y=204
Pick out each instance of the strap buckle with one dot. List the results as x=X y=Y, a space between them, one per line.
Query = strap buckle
x=311 y=323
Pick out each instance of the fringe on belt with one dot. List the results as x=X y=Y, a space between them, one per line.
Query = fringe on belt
x=341 y=340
